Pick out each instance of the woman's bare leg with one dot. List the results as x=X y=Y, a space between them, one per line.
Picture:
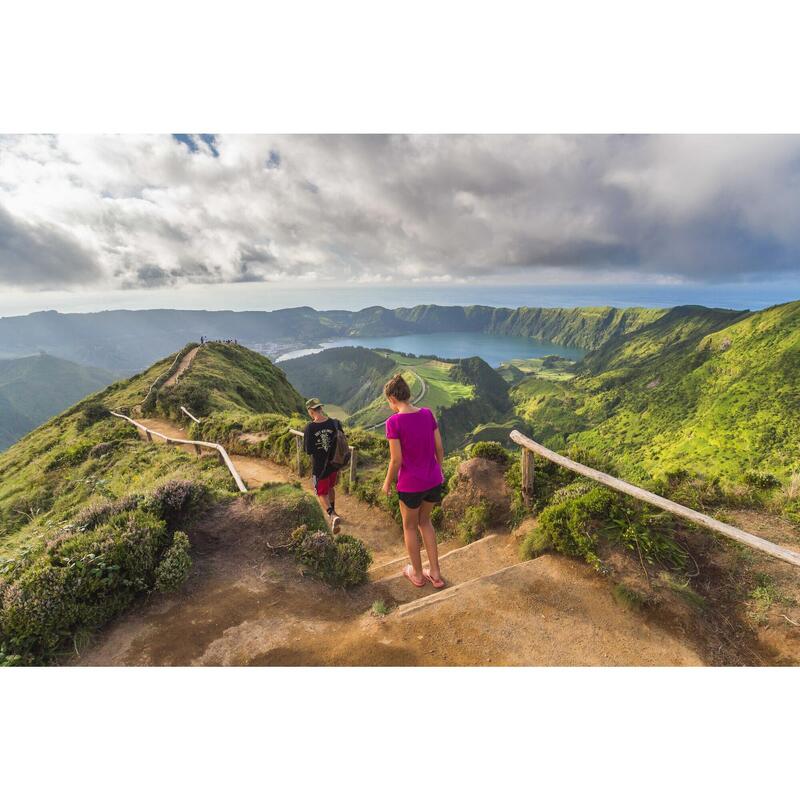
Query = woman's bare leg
x=429 y=538
x=410 y=527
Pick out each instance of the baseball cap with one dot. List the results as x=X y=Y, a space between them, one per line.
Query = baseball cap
x=314 y=402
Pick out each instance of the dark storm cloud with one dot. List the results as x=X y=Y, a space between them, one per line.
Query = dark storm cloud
x=40 y=256
x=158 y=211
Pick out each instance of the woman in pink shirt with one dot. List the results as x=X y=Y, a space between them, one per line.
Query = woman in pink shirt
x=416 y=454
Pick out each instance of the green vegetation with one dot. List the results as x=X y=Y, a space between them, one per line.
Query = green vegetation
x=380 y=608
x=339 y=560
x=628 y=597
x=552 y=368
x=490 y=450
x=535 y=543
x=474 y=522
x=350 y=377
x=82 y=574
x=173 y=569
x=35 y=388
x=694 y=390
x=227 y=377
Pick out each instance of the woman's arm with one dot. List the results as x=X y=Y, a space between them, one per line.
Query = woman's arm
x=395 y=460
x=437 y=438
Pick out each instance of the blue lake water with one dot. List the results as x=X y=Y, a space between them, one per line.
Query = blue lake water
x=491 y=348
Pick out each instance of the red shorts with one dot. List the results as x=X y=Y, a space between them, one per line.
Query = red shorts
x=324 y=485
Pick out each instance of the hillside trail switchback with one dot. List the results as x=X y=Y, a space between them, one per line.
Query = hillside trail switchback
x=245 y=605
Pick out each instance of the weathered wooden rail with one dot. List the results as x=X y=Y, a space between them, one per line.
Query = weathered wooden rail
x=298 y=441
x=189 y=414
x=224 y=458
x=529 y=447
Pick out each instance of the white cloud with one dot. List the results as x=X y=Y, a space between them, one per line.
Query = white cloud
x=120 y=211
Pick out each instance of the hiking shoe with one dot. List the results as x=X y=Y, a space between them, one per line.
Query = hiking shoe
x=336 y=523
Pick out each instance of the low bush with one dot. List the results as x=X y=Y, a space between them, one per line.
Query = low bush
x=474 y=522
x=173 y=569
x=340 y=561
x=90 y=414
x=77 y=582
x=91 y=516
x=761 y=480
x=493 y=451
x=177 y=501
x=536 y=542
x=581 y=520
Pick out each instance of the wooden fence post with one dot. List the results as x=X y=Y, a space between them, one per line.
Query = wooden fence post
x=353 y=457
x=298 y=455
x=149 y=435
x=527 y=475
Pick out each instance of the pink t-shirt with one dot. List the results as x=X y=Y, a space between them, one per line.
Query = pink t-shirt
x=420 y=470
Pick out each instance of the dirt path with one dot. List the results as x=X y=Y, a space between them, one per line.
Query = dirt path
x=186 y=362
x=243 y=604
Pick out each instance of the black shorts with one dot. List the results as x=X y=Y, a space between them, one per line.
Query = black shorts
x=415 y=499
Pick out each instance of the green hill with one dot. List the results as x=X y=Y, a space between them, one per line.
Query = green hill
x=693 y=390
x=89 y=510
x=350 y=377
x=35 y=388
x=228 y=377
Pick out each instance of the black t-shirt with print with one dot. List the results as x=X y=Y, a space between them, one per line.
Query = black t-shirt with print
x=319 y=441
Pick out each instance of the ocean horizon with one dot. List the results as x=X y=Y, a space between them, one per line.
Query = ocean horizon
x=327 y=297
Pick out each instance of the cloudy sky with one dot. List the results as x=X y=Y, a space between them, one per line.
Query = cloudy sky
x=145 y=212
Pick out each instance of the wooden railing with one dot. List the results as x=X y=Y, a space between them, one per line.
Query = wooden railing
x=189 y=414
x=529 y=447
x=298 y=441
x=221 y=451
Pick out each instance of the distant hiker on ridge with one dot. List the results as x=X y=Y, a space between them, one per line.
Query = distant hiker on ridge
x=416 y=454
x=324 y=441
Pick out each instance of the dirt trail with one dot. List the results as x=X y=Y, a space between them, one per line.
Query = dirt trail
x=243 y=604
x=186 y=362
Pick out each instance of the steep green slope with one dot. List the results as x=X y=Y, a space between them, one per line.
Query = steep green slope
x=691 y=391
x=228 y=377
x=90 y=513
x=32 y=389
x=350 y=377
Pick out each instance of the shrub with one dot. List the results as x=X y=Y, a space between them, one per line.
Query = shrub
x=761 y=480
x=581 y=520
x=340 y=561
x=78 y=583
x=177 y=501
x=536 y=542
x=91 y=413
x=91 y=516
x=474 y=522
x=493 y=451
x=173 y=569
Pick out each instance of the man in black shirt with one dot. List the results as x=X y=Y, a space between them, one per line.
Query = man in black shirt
x=319 y=441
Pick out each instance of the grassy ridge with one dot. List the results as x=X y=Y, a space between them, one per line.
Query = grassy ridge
x=226 y=377
x=690 y=391
x=35 y=388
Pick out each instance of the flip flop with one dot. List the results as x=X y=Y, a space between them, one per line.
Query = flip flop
x=437 y=584
x=408 y=572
